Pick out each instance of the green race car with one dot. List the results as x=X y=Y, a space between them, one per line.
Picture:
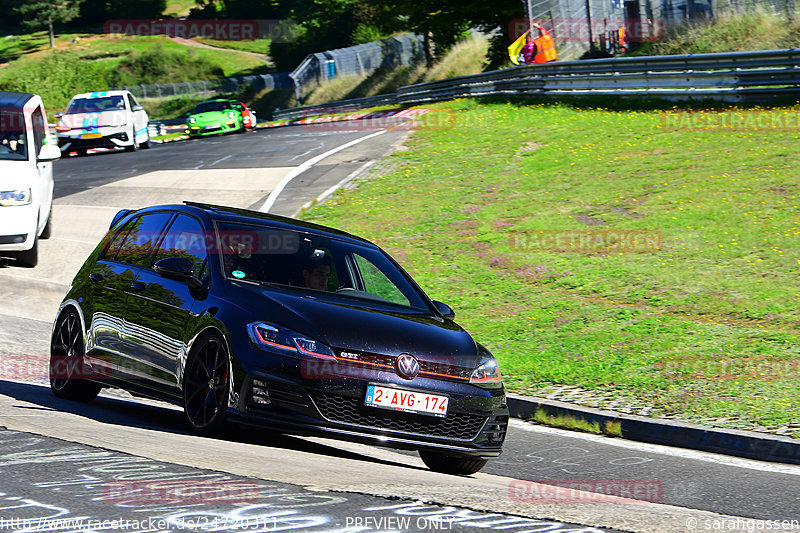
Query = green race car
x=214 y=117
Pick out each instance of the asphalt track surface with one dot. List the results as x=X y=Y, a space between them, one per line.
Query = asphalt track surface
x=675 y=486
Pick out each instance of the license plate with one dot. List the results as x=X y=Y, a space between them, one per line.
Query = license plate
x=404 y=400
x=90 y=135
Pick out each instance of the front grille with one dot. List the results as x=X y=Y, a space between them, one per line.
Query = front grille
x=351 y=411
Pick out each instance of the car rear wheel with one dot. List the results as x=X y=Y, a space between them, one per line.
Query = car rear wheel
x=460 y=465
x=66 y=360
x=205 y=385
x=80 y=151
x=146 y=144
x=29 y=258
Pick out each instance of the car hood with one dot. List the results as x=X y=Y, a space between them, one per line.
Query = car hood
x=355 y=325
x=88 y=120
x=16 y=175
x=210 y=116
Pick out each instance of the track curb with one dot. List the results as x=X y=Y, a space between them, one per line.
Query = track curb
x=747 y=444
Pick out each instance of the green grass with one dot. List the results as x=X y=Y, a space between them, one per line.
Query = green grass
x=258 y=46
x=179 y=8
x=613 y=429
x=705 y=326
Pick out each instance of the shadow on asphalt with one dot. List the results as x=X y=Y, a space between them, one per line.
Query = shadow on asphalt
x=167 y=419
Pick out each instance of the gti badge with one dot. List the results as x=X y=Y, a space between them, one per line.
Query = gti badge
x=406 y=366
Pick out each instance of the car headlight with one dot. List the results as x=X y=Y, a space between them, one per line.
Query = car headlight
x=274 y=338
x=192 y=120
x=18 y=197
x=487 y=375
x=61 y=127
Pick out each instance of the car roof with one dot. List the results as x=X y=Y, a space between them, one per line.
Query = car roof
x=235 y=214
x=14 y=100
x=100 y=94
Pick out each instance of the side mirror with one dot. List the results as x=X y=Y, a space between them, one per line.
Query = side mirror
x=49 y=152
x=177 y=268
x=137 y=108
x=59 y=114
x=444 y=309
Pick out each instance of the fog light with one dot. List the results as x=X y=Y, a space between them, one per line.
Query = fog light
x=260 y=394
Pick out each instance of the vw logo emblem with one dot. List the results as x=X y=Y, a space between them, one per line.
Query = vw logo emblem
x=407 y=366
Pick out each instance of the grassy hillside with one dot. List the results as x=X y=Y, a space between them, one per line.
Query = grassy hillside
x=729 y=33
x=511 y=214
x=466 y=57
x=84 y=62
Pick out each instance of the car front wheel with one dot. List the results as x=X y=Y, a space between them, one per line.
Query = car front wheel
x=460 y=465
x=205 y=385
x=133 y=147
x=29 y=258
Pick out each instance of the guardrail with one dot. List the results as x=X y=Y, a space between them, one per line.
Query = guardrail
x=736 y=77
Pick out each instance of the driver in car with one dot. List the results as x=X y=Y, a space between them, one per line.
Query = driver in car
x=316 y=273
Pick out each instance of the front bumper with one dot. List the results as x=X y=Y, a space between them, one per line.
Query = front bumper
x=108 y=138
x=18 y=227
x=282 y=398
x=198 y=130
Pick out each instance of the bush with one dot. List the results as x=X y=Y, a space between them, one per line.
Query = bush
x=158 y=65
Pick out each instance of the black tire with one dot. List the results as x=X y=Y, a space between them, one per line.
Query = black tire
x=133 y=147
x=29 y=258
x=206 y=385
x=81 y=152
x=48 y=228
x=145 y=145
x=66 y=359
x=459 y=465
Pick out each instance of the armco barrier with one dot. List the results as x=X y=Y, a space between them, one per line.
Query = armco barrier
x=735 y=77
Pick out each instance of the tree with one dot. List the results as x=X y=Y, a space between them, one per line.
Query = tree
x=38 y=13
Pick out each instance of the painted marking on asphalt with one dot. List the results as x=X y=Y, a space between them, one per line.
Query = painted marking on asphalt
x=708 y=457
x=273 y=196
x=322 y=197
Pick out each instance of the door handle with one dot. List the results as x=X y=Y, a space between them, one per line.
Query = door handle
x=138 y=286
x=96 y=277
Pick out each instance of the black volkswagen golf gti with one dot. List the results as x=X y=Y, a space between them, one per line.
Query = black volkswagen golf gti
x=259 y=319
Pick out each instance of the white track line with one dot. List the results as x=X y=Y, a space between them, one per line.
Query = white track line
x=273 y=196
x=709 y=457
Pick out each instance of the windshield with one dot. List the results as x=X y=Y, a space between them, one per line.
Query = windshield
x=205 y=107
x=314 y=263
x=95 y=105
x=12 y=135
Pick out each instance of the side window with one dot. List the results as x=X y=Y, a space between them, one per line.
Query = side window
x=141 y=238
x=185 y=238
x=131 y=101
x=39 y=129
x=115 y=242
x=376 y=282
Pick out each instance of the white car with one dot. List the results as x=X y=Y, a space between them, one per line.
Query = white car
x=104 y=119
x=26 y=176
